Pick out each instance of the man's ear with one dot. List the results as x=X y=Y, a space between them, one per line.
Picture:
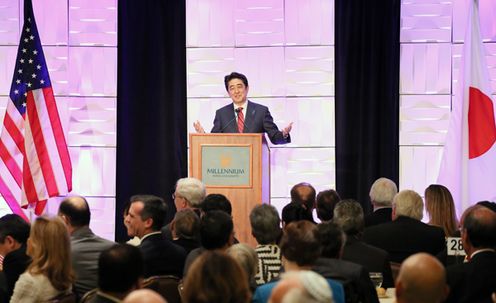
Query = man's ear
x=148 y=223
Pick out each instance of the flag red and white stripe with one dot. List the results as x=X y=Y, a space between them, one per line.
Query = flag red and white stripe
x=468 y=166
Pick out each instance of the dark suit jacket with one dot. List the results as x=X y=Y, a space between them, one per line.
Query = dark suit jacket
x=14 y=264
x=161 y=256
x=372 y=258
x=362 y=287
x=404 y=237
x=258 y=120
x=473 y=281
x=382 y=215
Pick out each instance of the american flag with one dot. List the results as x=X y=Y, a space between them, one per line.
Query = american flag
x=34 y=159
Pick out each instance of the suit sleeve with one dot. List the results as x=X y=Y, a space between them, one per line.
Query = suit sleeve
x=217 y=126
x=275 y=135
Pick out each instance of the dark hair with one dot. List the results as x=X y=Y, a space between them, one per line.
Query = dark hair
x=153 y=207
x=186 y=224
x=331 y=238
x=15 y=226
x=215 y=229
x=488 y=204
x=235 y=75
x=78 y=216
x=348 y=214
x=304 y=193
x=294 y=211
x=326 y=201
x=265 y=224
x=119 y=268
x=480 y=225
x=300 y=243
x=216 y=202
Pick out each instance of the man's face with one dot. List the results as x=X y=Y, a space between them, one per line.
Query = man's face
x=237 y=91
x=134 y=224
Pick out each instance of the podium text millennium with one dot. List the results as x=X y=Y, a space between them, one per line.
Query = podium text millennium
x=224 y=171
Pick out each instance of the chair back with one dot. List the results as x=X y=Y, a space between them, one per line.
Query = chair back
x=166 y=286
x=89 y=295
x=395 y=269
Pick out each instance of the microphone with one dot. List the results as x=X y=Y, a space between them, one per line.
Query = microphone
x=237 y=110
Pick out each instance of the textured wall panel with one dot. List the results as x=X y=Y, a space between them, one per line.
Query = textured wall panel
x=51 y=20
x=93 y=71
x=309 y=22
x=309 y=71
x=93 y=22
x=209 y=23
x=9 y=22
x=426 y=21
x=7 y=57
x=424 y=119
x=259 y=22
x=57 y=59
x=419 y=166
x=206 y=68
x=487 y=11
x=203 y=110
x=425 y=68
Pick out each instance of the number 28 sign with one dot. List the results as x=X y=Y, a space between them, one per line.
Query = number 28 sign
x=454 y=246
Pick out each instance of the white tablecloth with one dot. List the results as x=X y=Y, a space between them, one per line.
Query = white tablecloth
x=391 y=298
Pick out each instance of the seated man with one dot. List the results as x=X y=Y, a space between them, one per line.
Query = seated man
x=301 y=286
x=160 y=256
x=186 y=230
x=381 y=195
x=326 y=201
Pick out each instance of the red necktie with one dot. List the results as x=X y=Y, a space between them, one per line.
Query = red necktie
x=241 y=120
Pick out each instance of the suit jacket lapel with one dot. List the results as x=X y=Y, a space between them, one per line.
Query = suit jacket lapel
x=250 y=116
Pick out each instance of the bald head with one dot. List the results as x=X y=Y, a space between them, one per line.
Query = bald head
x=478 y=228
x=75 y=211
x=421 y=279
x=304 y=193
x=144 y=296
x=301 y=286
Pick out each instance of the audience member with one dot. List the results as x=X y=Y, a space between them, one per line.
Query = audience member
x=301 y=286
x=216 y=202
x=189 y=193
x=475 y=280
x=186 y=229
x=381 y=195
x=216 y=277
x=406 y=234
x=441 y=209
x=300 y=248
x=265 y=227
x=216 y=233
x=248 y=259
x=85 y=245
x=326 y=201
x=120 y=271
x=294 y=212
x=14 y=232
x=488 y=204
x=422 y=279
x=50 y=273
x=144 y=296
x=160 y=256
x=348 y=214
x=330 y=265
x=304 y=193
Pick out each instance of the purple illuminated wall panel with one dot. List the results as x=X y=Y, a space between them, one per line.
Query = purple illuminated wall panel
x=9 y=22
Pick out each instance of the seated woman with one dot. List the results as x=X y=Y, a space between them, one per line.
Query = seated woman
x=50 y=272
x=441 y=209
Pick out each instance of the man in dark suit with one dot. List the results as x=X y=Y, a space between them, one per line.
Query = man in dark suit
x=475 y=280
x=14 y=232
x=243 y=116
x=406 y=234
x=144 y=220
x=348 y=214
x=381 y=195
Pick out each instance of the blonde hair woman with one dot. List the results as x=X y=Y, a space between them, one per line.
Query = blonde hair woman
x=441 y=208
x=50 y=272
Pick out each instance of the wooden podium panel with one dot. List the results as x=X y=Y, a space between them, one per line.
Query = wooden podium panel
x=237 y=166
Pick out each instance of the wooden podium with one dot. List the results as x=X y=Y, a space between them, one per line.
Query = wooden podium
x=237 y=166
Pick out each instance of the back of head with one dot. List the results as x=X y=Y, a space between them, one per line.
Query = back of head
x=215 y=229
x=265 y=224
x=216 y=202
x=246 y=257
x=144 y=296
x=300 y=243
x=332 y=239
x=326 y=201
x=348 y=214
x=302 y=286
x=441 y=208
x=120 y=268
x=49 y=249
x=489 y=204
x=186 y=224
x=304 y=193
x=14 y=226
x=479 y=225
x=295 y=211
x=76 y=211
x=409 y=204
x=191 y=189
x=216 y=277
x=382 y=192
x=421 y=279
x=153 y=207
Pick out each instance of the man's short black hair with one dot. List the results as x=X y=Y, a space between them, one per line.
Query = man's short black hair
x=295 y=211
x=15 y=226
x=331 y=238
x=480 y=226
x=235 y=75
x=119 y=268
x=216 y=202
x=215 y=229
x=77 y=216
x=153 y=207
